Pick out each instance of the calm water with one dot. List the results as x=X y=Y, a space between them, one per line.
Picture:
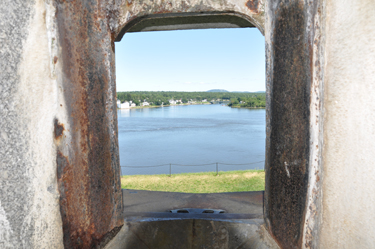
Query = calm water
x=191 y=135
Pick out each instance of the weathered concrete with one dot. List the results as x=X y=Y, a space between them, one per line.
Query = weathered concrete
x=193 y=233
x=59 y=167
x=169 y=15
x=29 y=206
x=60 y=172
x=349 y=126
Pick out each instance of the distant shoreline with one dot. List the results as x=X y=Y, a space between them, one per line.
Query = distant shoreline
x=157 y=106
x=208 y=103
x=248 y=107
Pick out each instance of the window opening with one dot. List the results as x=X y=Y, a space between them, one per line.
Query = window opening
x=191 y=101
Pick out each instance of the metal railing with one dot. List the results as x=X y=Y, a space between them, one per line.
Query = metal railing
x=190 y=165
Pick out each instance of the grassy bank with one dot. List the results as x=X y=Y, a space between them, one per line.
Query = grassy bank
x=206 y=182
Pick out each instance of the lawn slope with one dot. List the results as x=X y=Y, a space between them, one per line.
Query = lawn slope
x=206 y=182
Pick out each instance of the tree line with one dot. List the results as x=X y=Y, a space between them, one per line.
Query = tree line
x=237 y=99
x=256 y=101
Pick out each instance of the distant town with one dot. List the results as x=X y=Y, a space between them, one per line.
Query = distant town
x=141 y=99
x=130 y=104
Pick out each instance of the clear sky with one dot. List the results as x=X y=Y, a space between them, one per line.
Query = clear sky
x=191 y=60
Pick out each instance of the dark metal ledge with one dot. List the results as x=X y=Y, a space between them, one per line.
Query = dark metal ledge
x=167 y=215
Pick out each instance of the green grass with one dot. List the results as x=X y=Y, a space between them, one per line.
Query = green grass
x=205 y=182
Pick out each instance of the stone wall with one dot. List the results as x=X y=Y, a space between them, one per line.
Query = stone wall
x=349 y=126
x=59 y=167
x=60 y=183
x=29 y=199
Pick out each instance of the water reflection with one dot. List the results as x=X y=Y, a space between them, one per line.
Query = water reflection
x=197 y=134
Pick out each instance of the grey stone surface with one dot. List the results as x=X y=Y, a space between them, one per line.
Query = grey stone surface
x=15 y=161
x=348 y=207
x=335 y=41
x=29 y=211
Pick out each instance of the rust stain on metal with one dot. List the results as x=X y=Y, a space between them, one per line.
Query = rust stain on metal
x=88 y=166
x=288 y=149
x=59 y=129
x=253 y=5
x=129 y=3
x=89 y=174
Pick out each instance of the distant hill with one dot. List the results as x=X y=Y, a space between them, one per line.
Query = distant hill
x=225 y=91
x=248 y=92
x=218 y=91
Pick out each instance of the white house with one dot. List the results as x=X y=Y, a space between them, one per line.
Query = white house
x=172 y=102
x=125 y=105
x=145 y=103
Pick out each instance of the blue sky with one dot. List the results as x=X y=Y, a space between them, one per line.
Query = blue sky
x=191 y=60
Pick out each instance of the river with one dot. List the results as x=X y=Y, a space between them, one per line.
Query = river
x=191 y=135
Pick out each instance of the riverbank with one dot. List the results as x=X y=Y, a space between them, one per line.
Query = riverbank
x=205 y=182
x=156 y=106
x=248 y=107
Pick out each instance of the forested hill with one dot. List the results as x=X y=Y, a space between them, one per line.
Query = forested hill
x=157 y=98
x=218 y=90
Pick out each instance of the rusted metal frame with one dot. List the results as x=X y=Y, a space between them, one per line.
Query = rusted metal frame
x=87 y=163
x=253 y=5
x=88 y=166
x=168 y=215
x=138 y=19
x=288 y=122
